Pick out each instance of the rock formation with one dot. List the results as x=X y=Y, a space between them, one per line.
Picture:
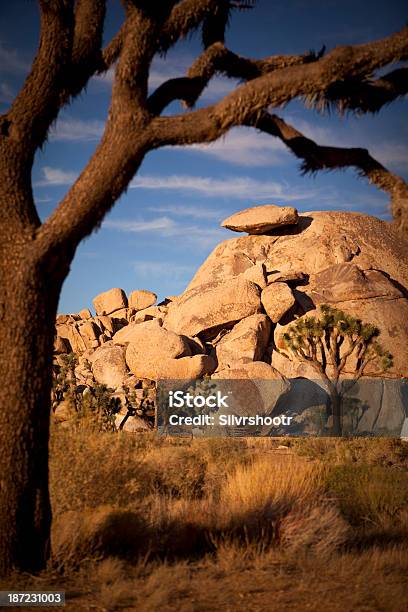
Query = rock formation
x=230 y=320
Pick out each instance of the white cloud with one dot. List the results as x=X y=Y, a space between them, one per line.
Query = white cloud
x=148 y=269
x=70 y=129
x=246 y=147
x=240 y=187
x=168 y=228
x=55 y=177
x=7 y=95
x=160 y=224
x=196 y=212
x=10 y=61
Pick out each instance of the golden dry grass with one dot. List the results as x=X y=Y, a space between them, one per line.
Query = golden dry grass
x=150 y=523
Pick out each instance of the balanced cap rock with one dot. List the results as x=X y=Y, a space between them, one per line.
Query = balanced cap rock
x=261 y=219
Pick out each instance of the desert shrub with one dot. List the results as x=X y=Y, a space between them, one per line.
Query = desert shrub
x=176 y=470
x=97 y=533
x=368 y=494
x=316 y=528
x=93 y=469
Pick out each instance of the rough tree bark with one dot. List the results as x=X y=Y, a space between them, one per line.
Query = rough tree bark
x=35 y=257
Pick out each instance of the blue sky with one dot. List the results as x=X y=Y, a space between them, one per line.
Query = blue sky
x=166 y=224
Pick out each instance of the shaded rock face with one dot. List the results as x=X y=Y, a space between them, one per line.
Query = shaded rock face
x=346 y=281
x=209 y=307
x=248 y=339
x=251 y=389
x=261 y=219
x=277 y=298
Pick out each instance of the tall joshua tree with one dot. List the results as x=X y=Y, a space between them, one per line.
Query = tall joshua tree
x=35 y=257
x=332 y=343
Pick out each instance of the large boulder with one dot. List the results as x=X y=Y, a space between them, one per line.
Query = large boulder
x=233 y=257
x=150 y=340
x=277 y=298
x=208 y=308
x=247 y=339
x=61 y=345
x=155 y=352
x=261 y=219
x=85 y=314
x=110 y=301
x=158 y=367
x=109 y=365
x=141 y=299
x=69 y=332
x=148 y=314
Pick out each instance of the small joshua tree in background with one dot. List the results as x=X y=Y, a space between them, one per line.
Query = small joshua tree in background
x=98 y=409
x=331 y=342
x=64 y=381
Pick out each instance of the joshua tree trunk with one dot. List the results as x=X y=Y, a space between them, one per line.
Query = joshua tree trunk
x=29 y=299
x=335 y=404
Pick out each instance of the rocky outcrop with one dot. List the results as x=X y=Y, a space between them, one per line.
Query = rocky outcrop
x=318 y=240
x=230 y=320
x=150 y=338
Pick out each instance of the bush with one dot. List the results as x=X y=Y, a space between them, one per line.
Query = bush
x=368 y=495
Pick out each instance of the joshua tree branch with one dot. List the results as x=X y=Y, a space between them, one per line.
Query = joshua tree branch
x=131 y=126
x=280 y=86
x=120 y=152
x=316 y=157
x=217 y=59
x=185 y=17
x=86 y=49
x=89 y=20
x=352 y=90
x=364 y=95
x=38 y=103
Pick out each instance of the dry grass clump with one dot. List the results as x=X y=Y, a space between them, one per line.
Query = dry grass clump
x=373 y=451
